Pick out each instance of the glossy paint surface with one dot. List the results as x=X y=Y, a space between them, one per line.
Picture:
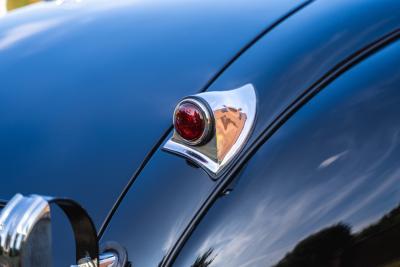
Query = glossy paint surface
x=328 y=178
x=158 y=207
x=289 y=60
x=88 y=87
x=281 y=66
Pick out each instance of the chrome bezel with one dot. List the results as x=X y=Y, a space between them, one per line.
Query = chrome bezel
x=207 y=117
x=205 y=154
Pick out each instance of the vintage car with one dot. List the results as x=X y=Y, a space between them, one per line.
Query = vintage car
x=200 y=133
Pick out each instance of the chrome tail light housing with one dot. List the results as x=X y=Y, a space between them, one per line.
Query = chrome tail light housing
x=228 y=118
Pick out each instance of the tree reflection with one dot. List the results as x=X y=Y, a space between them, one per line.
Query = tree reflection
x=321 y=249
x=335 y=246
x=204 y=260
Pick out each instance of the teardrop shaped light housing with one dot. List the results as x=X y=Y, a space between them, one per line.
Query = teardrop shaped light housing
x=211 y=128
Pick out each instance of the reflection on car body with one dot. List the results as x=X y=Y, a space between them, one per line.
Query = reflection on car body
x=280 y=119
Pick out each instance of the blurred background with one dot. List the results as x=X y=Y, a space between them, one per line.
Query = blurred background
x=9 y=5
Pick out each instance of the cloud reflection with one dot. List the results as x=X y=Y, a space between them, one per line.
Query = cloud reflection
x=334 y=165
x=331 y=160
x=25 y=31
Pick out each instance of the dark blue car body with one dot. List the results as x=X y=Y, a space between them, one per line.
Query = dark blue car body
x=87 y=95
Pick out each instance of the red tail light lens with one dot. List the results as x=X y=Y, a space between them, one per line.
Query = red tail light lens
x=190 y=121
